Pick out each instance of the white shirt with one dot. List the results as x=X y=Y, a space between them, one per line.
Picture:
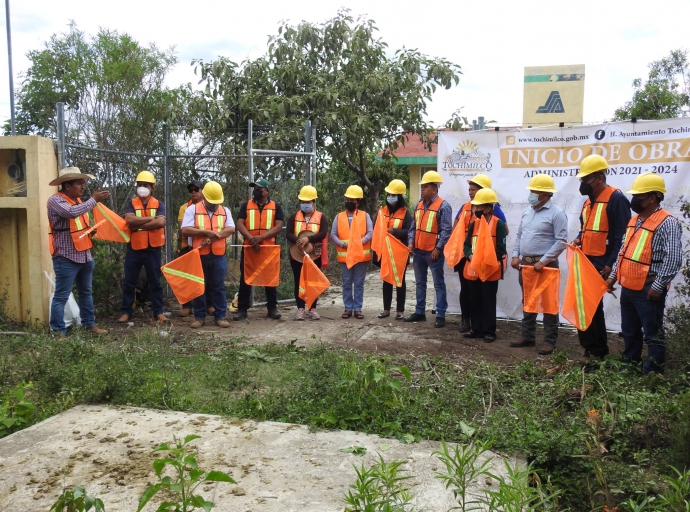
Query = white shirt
x=188 y=220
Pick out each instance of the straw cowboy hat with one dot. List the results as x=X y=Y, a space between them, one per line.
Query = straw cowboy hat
x=69 y=174
x=296 y=253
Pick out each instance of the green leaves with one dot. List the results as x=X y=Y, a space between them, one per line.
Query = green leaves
x=15 y=412
x=75 y=499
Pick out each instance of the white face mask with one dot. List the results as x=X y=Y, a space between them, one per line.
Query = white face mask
x=143 y=192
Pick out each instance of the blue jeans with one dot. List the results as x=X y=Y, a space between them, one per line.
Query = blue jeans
x=215 y=268
x=422 y=262
x=151 y=261
x=354 y=278
x=67 y=273
x=642 y=321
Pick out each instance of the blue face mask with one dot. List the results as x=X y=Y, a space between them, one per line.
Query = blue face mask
x=391 y=199
x=306 y=208
x=533 y=199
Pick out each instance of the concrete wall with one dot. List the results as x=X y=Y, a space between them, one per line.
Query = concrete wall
x=24 y=253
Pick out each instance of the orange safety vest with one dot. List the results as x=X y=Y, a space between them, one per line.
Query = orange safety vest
x=426 y=225
x=141 y=238
x=314 y=224
x=216 y=223
x=76 y=227
x=595 y=223
x=466 y=215
x=260 y=221
x=467 y=272
x=396 y=220
x=635 y=258
x=344 y=233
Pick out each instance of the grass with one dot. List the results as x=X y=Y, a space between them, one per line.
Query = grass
x=525 y=409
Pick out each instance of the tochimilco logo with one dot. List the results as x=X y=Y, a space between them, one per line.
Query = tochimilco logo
x=467 y=157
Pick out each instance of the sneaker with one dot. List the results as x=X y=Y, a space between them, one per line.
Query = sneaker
x=97 y=330
x=314 y=315
x=222 y=322
x=300 y=314
x=196 y=323
x=274 y=314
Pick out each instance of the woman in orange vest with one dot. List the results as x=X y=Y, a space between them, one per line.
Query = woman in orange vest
x=307 y=218
x=145 y=216
x=398 y=220
x=343 y=224
x=484 y=291
x=465 y=215
x=649 y=259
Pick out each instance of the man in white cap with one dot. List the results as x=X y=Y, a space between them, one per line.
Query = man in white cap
x=72 y=261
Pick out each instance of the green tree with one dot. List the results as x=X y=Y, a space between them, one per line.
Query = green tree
x=361 y=96
x=665 y=93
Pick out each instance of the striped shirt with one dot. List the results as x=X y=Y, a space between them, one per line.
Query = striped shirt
x=667 y=252
x=59 y=214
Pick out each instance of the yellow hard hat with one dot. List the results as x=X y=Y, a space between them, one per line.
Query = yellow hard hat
x=485 y=196
x=541 y=183
x=146 y=177
x=591 y=164
x=307 y=193
x=396 y=187
x=481 y=180
x=213 y=192
x=354 y=192
x=431 y=177
x=648 y=182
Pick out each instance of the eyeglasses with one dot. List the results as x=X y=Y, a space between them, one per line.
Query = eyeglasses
x=193 y=189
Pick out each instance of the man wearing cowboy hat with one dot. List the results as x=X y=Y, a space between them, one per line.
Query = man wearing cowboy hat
x=72 y=261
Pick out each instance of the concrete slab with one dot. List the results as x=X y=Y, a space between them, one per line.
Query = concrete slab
x=278 y=466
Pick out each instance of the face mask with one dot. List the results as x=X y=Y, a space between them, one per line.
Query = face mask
x=586 y=189
x=533 y=199
x=143 y=192
x=391 y=199
x=211 y=207
x=479 y=214
x=636 y=205
x=306 y=208
x=351 y=207
x=257 y=194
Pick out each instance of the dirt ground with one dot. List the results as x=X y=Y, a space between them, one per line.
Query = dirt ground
x=370 y=335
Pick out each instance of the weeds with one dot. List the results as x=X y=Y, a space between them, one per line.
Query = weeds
x=75 y=499
x=379 y=488
x=462 y=471
x=16 y=413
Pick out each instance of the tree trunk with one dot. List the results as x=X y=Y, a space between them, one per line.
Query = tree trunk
x=374 y=194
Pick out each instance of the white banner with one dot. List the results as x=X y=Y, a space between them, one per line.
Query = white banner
x=512 y=158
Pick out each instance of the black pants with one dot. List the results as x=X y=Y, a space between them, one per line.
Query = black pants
x=399 y=295
x=465 y=293
x=246 y=290
x=594 y=339
x=483 y=306
x=296 y=273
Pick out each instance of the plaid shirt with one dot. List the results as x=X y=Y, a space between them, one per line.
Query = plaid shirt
x=667 y=252
x=59 y=214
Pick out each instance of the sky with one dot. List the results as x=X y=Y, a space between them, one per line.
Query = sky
x=491 y=40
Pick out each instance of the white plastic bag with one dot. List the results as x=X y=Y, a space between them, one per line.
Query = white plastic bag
x=71 y=307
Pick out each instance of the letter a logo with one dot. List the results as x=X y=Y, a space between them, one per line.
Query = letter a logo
x=553 y=105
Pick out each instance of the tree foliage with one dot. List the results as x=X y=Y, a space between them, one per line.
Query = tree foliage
x=113 y=89
x=361 y=96
x=665 y=93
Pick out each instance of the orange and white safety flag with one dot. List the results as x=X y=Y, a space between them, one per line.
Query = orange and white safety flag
x=394 y=261
x=584 y=289
x=453 y=250
x=355 y=249
x=380 y=231
x=312 y=282
x=114 y=229
x=262 y=267
x=484 y=261
x=185 y=276
x=541 y=290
